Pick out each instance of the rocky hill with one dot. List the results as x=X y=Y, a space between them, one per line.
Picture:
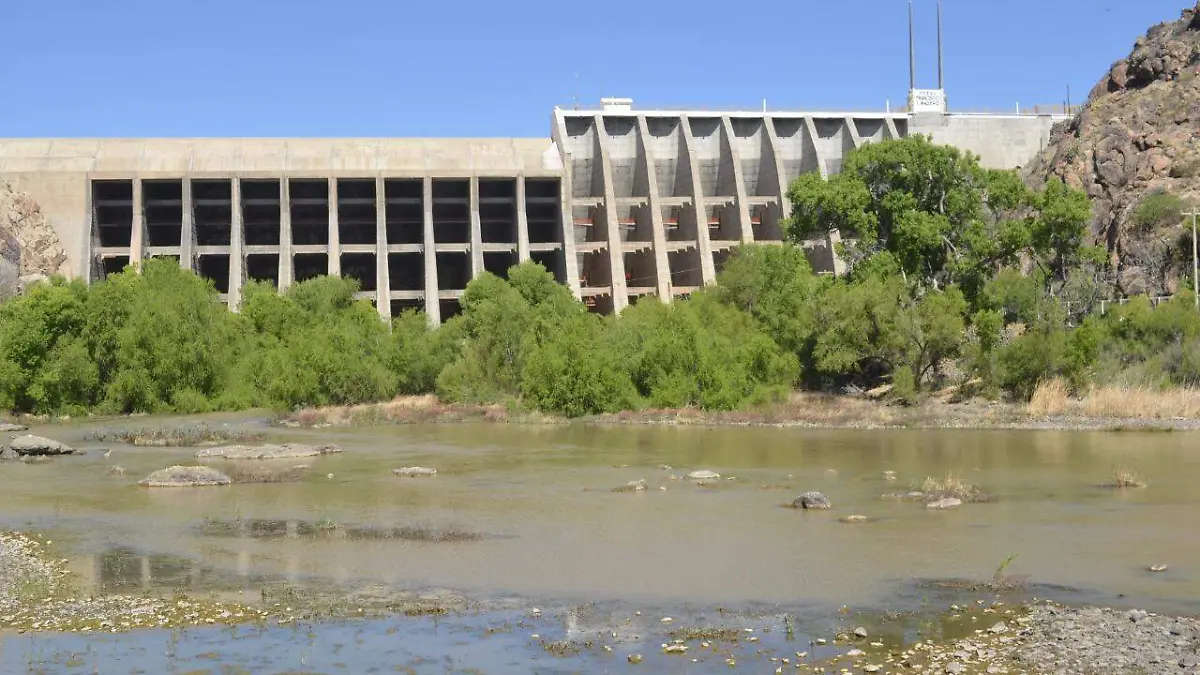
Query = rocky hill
x=29 y=248
x=1135 y=149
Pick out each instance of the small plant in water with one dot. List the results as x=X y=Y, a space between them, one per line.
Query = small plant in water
x=1124 y=477
x=951 y=486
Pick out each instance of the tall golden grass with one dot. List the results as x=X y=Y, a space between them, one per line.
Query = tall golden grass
x=1052 y=397
x=1142 y=403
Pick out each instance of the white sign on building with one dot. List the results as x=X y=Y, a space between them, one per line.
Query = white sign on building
x=927 y=101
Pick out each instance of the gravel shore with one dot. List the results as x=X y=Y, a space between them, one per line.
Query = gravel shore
x=1060 y=640
x=36 y=594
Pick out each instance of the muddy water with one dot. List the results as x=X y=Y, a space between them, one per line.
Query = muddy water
x=530 y=513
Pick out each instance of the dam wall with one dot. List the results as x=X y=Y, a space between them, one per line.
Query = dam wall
x=618 y=203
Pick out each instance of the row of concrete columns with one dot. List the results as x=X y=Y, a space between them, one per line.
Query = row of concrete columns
x=775 y=199
x=188 y=251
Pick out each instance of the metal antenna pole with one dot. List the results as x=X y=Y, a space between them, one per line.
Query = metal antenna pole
x=941 y=82
x=1195 y=264
x=912 y=50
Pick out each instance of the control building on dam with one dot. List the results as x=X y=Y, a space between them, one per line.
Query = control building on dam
x=618 y=203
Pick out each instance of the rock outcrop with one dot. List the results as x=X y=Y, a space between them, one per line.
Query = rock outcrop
x=1137 y=136
x=285 y=451
x=36 y=446
x=29 y=247
x=185 y=476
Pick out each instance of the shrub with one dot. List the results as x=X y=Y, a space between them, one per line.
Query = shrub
x=1158 y=209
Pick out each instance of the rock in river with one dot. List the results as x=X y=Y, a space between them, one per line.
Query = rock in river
x=704 y=474
x=185 y=476
x=415 y=471
x=852 y=519
x=632 y=486
x=6 y=427
x=38 y=446
x=285 y=451
x=812 y=500
x=947 y=503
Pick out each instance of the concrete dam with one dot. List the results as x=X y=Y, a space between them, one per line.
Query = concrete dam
x=618 y=203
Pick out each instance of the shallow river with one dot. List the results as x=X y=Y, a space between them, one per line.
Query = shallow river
x=528 y=516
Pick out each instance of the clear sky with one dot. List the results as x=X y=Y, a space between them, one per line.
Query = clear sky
x=497 y=68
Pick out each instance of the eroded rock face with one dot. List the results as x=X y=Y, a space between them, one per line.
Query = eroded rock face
x=1136 y=135
x=29 y=247
x=185 y=476
x=284 y=451
x=36 y=446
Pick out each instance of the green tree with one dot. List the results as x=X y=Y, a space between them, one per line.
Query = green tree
x=776 y=286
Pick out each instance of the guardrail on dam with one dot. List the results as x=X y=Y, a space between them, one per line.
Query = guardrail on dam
x=618 y=203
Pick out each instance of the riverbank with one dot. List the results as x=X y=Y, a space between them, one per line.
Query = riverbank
x=984 y=636
x=1104 y=410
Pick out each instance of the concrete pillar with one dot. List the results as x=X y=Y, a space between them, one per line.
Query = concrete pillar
x=476 y=231
x=810 y=128
x=852 y=131
x=662 y=262
x=522 y=221
x=334 y=266
x=785 y=206
x=285 y=234
x=567 y=232
x=187 y=237
x=87 y=261
x=708 y=273
x=137 y=234
x=889 y=126
x=832 y=238
x=383 y=278
x=237 y=259
x=433 y=311
x=616 y=252
x=739 y=181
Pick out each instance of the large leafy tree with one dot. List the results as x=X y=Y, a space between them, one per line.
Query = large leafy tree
x=932 y=214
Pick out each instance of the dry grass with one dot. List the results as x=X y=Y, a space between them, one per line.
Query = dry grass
x=800 y=408
x=1051 y=397
x=175 y=437
x=1124 y=477
x=1142 y=403
x=400 y=410
x=951 y=486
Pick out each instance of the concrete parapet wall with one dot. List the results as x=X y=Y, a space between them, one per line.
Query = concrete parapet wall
x=1000 y=141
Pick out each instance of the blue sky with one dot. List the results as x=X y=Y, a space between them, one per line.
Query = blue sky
x=451 y=68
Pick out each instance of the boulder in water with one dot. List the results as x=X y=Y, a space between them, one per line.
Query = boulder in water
x=8 y=427
x=812 y=500
x=41 y=447
x=704 y=474
x=947 y=503
x=185 y=476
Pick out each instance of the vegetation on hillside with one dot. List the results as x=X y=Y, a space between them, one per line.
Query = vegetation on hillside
x=957 y=276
